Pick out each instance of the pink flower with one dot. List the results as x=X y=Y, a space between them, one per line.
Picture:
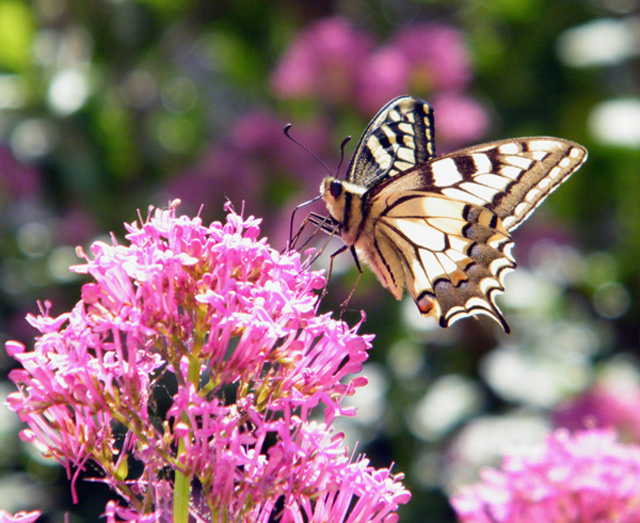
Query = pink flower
x=324 y=62
x=17 y=180
x=385 y=76
x=19 y=517
x=213 y=321
x=586 y=477
x=423 y=59
x=436 y=55
x=603 y=407
x=117 y=514
x=459 y=120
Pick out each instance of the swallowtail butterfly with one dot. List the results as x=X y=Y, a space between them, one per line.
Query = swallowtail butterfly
x=440 y=226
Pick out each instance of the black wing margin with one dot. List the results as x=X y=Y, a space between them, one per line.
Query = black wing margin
x=398 y=138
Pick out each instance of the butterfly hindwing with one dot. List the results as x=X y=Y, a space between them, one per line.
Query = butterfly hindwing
x=451 y=256
x=398 y=138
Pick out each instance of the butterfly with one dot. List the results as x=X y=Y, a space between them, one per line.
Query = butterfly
x=440 y=227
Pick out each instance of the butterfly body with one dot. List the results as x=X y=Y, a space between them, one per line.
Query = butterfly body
x=439 y=227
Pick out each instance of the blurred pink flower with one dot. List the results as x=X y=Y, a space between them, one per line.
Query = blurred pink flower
x=324 y=61
x=384 y=76
x=424 y=60
x=19 y=517
x=459 y=120
x=332 y=62
x=75 y=226
x=436 y=55
x=586 y=477
x=603 y=407
x=16 y=179
x=224 y=326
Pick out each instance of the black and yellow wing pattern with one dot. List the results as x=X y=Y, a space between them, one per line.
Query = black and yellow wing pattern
x=440 y=227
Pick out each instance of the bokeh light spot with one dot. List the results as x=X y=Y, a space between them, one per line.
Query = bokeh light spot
x=616 y=122
x=611 y=300
x=68 y=91
x=34 y=239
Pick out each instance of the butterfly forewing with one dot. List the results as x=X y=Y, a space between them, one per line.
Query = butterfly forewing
x=398 y=138
x=509 y=177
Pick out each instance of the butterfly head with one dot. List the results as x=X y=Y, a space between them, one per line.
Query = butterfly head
x=339 y=195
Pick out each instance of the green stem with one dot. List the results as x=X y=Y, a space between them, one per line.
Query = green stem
x=182 y=482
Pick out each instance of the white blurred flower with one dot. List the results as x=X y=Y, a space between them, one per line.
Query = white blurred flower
x=449 y=400
x=606 y=41
x=616 y=122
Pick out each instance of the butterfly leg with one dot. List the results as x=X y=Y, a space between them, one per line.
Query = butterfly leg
x=345 y=303
x=326 y=283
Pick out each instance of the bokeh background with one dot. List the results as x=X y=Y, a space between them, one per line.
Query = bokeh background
x=109 y=106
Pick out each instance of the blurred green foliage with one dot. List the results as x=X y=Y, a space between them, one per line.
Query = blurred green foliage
x=107 y=107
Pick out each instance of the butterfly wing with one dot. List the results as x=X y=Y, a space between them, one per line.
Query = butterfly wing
x=441 y=230
x=508 y=177
x=398 y=138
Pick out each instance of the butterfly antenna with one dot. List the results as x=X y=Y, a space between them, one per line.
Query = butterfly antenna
x=304 y=147
x=342 y=146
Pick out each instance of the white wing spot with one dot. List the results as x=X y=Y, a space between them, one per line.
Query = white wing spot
x=431 y=265
x=509 y=148
x=381 y=156
x=403 y=166
x=445 y=172
x=532 y=195
x=493 y=180
x=481 y=191
x=511 y=172
x=391 y=136
x=544 y=183
x=406 y=154
x=508 y=221
x=406 y=128
x=539 y=155
x=543 y=145
x=556 y=172
x=575 y=152
x=409 y=141
x=520 y=209
x=463 y=196
x=482 y=163
x=520 y=161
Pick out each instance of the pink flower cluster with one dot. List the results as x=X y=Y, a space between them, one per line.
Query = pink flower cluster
x=603 y=407
x=214 y=321
x=585 y=477
x=336 y=63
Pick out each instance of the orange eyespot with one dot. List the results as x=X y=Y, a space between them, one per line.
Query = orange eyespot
x=425 y=303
